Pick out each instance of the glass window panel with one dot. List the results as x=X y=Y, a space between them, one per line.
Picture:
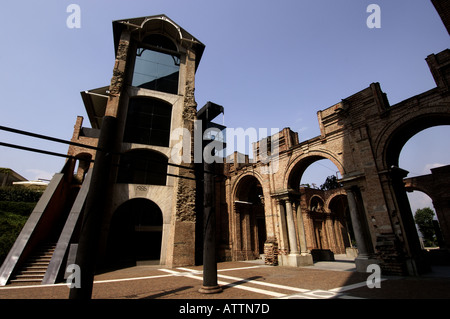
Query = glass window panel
x=143 y=167
x=156 y=71
x=148 y=122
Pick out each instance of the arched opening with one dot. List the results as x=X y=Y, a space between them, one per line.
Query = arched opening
x=342 y=224
x=430 y=130
x=143 y=167
x=249 y=219
x=316 y=173
x=135 y=234
x=419 y=151
x=316 y=213
x=82 y=165
x=324 y=208
x=420 y=201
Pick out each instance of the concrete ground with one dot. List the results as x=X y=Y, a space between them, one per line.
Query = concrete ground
x=249 y=280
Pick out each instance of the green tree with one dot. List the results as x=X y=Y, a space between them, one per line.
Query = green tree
x=330 y=183
x=423 y=217
x=16 y=205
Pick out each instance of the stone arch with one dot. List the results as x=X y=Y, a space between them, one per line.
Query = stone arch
x=318 y=217
x=434 y=186
x=329 y=199
x=297 y=167
x=82 y=165
x=404 y=126
x=248 y=218
x=337 y=206
x=403 y=122
x=316 y=204
x=242 y=178
x=410 y=187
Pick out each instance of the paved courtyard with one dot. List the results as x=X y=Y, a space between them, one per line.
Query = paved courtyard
x=248 y=280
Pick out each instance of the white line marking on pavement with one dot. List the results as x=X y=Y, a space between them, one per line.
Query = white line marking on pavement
x=193 y=274
x=193 y=271
x=239 y=283
x=268 y=284
x=262 y=283
x=225 y=284
x=95 y=282
x=221 y=270
x=304 y=293
x=350 y=287
x=129 y=279
x=173 y=272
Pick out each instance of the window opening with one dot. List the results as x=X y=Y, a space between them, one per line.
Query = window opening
x=143 y=167
x=148 y=122
x=157 y=65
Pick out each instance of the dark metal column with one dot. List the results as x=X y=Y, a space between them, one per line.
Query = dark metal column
x=210 y=284
x=94 y=210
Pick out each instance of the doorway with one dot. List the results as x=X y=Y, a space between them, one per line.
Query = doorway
x=135 y=234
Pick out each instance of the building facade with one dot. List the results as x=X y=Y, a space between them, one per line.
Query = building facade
x=153 y=203
x=151 y=94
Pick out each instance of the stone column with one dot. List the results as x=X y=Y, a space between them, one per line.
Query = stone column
x=247 y=238
x=283 y=241
x=293 y=259
x=301 y=230
x=415 y=261
x=237 y=244
x=356 y=223
x=364 y=257
x=293 y=248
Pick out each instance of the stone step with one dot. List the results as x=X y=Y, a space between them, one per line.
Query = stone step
x=40 y=259
x=26 y=281
x=33 y=270
x=30 y=275
x=35 y=267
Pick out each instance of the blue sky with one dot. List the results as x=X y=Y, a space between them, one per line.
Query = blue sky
x=271 y=64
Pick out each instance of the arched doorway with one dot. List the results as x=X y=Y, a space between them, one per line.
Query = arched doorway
x=316 y=213
x=314 y=185
x=135 y=234
x=342 y=224
x=249 y=219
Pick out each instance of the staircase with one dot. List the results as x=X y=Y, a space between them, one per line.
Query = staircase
x=33 y=270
